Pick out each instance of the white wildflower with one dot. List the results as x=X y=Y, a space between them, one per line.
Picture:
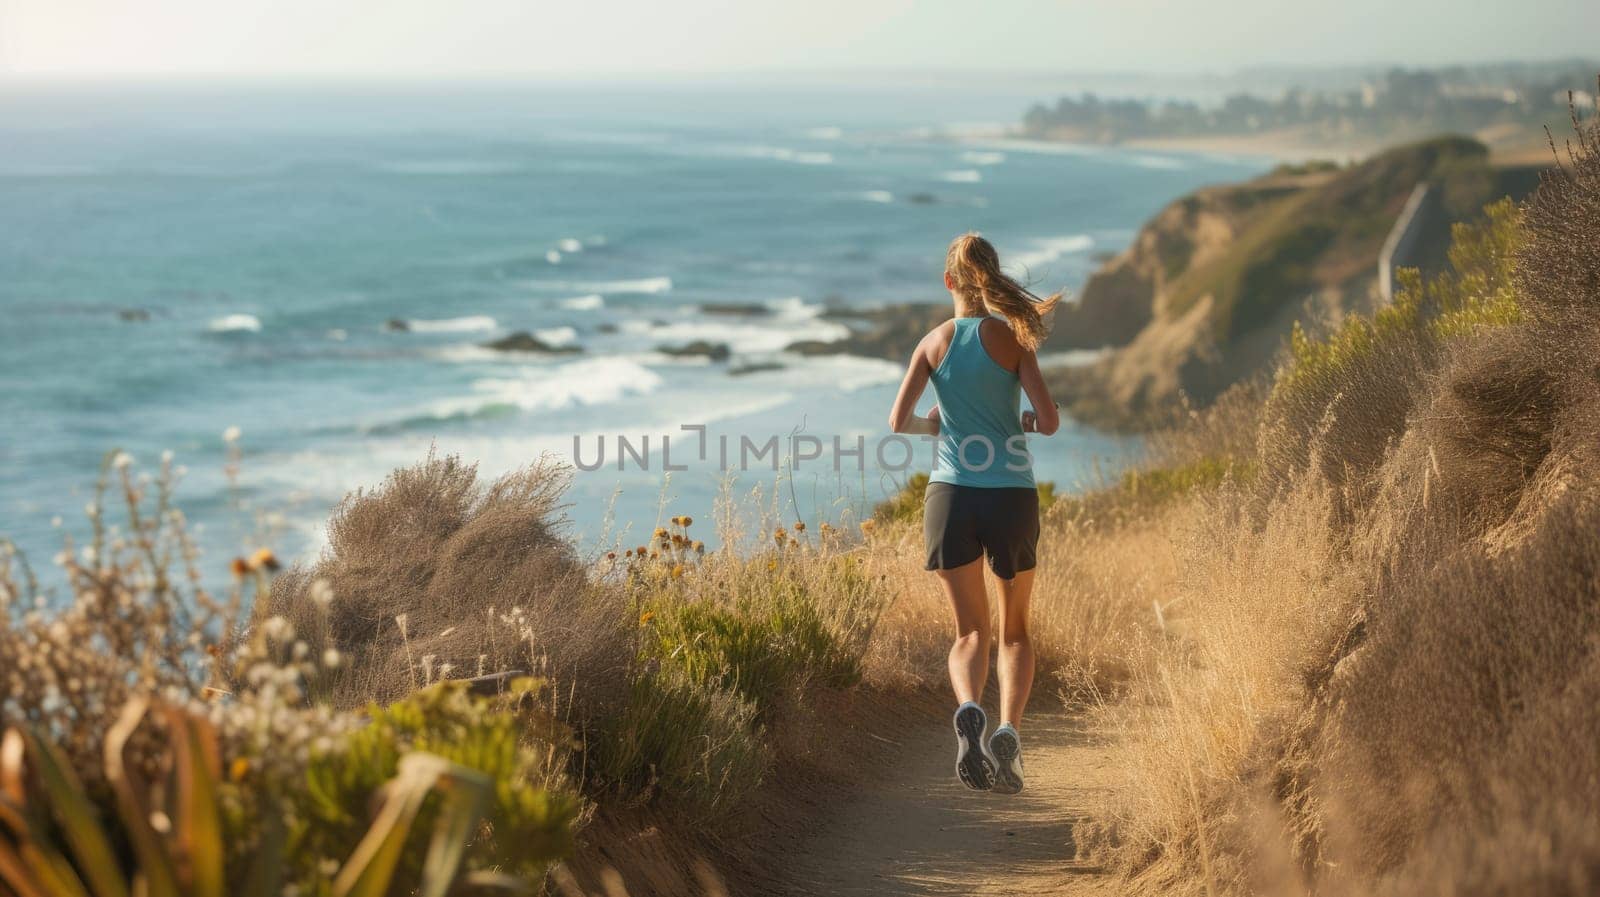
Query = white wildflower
x=278 y=629
x=321 y=594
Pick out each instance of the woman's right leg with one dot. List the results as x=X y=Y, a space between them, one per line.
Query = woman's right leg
x=969 y=655
x=1016 y=648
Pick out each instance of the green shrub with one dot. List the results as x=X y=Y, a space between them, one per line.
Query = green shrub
x=1165 y=483
x=1482 y=290
x=697 y=747
x=1479 y=291
x=723 y=642
x=530 y=819
x=905 y=506
x=777 y=630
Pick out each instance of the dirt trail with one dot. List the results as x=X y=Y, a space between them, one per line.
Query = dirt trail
x=918 y=831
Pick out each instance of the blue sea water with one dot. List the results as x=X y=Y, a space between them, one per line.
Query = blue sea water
x=263 y=238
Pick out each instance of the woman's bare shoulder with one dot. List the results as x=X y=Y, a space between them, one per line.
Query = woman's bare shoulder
x=1001 y=343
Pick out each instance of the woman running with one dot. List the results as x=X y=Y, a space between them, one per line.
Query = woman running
x=981 y=497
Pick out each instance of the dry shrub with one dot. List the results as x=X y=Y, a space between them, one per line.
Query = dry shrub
x=1238 y=621
x=134 y=621
x=1459 y=719
x=1559 y=269
x=434 y=575
x=1383 y=678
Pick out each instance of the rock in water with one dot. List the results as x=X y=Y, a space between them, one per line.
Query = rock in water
x=889 y=331
x=742 y=309
x=523 y=341
x=698 y=348
x=754 y=368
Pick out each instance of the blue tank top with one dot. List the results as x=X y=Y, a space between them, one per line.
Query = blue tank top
x=980 y=425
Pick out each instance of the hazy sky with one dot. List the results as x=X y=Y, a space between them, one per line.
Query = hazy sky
x=430 y=38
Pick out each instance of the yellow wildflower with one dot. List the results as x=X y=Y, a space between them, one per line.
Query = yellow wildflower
x=264 y=559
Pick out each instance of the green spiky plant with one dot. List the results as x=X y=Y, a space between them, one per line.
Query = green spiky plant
x=173 y=840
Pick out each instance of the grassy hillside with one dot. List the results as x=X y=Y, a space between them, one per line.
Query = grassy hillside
x=1220 y=278
x=1372 y=670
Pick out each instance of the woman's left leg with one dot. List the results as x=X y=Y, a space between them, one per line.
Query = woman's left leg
x=1016 y=647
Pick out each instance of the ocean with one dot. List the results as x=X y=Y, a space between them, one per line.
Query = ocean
x=319 y=268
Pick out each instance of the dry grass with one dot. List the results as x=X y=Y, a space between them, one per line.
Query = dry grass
x=1378 y=668
x=434 y=575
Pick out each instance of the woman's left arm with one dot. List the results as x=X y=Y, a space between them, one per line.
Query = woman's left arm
x=903 y=417
x=1046 y=419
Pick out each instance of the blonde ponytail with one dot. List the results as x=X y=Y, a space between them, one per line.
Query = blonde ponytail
x=974 y=266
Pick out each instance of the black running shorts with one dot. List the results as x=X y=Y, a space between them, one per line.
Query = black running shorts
x=962 y=523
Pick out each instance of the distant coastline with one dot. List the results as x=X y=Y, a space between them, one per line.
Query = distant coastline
x=1505 y=110
x=1506 y=146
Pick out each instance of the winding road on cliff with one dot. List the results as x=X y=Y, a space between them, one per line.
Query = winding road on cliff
x=917 y=831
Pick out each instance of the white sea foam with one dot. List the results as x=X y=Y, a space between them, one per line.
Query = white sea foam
x=964 y=176
x=983 y=157
x=591 y=302
x=876 y=196
x=338 y=334
x=1042 y=147
x=794 y=307
x=553 y=257
x=570 y=244
x=592 y=381
x=468 y=324
x=235 y=323
x=744 y=337
x=784 y=154
x=640 y=285
x=1047 y=250
x=847 y=372
x=825 y=133
x=557 y=336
